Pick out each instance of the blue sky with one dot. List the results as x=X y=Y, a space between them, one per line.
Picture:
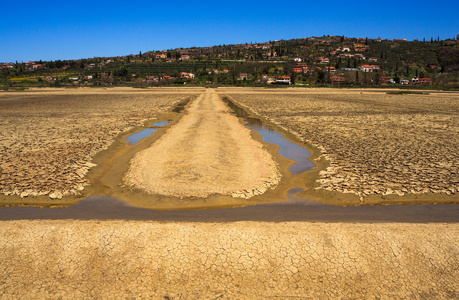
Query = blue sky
x=52 y=30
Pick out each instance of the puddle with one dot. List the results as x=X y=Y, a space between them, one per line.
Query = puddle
x=161 y=123
x=287 y=149
x=135 y=138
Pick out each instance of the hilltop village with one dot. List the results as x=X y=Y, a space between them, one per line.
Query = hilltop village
x=313 y=61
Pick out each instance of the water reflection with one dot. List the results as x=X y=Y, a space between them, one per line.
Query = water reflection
x=161 y=123
x=135 y=138
x=287 y=149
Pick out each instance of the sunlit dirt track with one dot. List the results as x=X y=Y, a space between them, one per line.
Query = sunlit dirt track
x=208 y=152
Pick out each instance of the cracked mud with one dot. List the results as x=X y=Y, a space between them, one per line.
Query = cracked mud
x=245 y=260
x=377 y=144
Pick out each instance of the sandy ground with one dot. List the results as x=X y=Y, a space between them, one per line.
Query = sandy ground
x=208 y=152
x=49 y=136
x=378 y=144
x=245 y=260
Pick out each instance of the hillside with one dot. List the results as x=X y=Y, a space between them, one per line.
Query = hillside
x=327 y=60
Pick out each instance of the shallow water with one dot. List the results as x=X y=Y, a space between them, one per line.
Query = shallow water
x=135 y=138
x=287 y=149
x=161 y=123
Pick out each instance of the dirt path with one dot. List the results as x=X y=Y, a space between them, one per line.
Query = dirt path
x=207 y=152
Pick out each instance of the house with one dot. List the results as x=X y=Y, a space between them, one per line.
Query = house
x=88 y=77
x=151 y=78
x=242 y=76
x=185 y=57
x=297 y=59
x=359 y=55
x=187 y=75
x=414 y=80
x=167 y=77
x=73 y=78
x=388 y=80
x=345 y=49
x=359 y=45
x=161 y=56
x=325 y=60
x=37 y=66
x=349 y=69
x=333 y=53
x=284 y=80
x=331 y=69
x=426 y=81
x=404 y=81
x=337 y=80
x=369 y=68
x=298 y=70
x=373 y=59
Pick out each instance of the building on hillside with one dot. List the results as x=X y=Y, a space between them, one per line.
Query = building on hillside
x=331 y=69
x=369 y=68
x=284 y=80
x=242 y=76
x=404 y=81
x=337 y=80
x=425 y=81
x=151 y=78
x=387 y=80
x=187 y=75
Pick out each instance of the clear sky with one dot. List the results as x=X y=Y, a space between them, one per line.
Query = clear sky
x=52 y=30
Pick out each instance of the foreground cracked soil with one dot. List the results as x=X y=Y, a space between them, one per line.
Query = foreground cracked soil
x=245 y=260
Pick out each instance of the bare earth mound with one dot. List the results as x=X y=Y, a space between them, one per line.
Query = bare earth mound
x=207 y=152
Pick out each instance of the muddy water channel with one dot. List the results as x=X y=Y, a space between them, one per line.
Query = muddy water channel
x=139 y=136
x=287 y=148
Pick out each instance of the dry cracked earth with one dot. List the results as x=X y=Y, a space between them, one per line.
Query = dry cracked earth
x=247 y=260
x=47 y=138
x=377 y=143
